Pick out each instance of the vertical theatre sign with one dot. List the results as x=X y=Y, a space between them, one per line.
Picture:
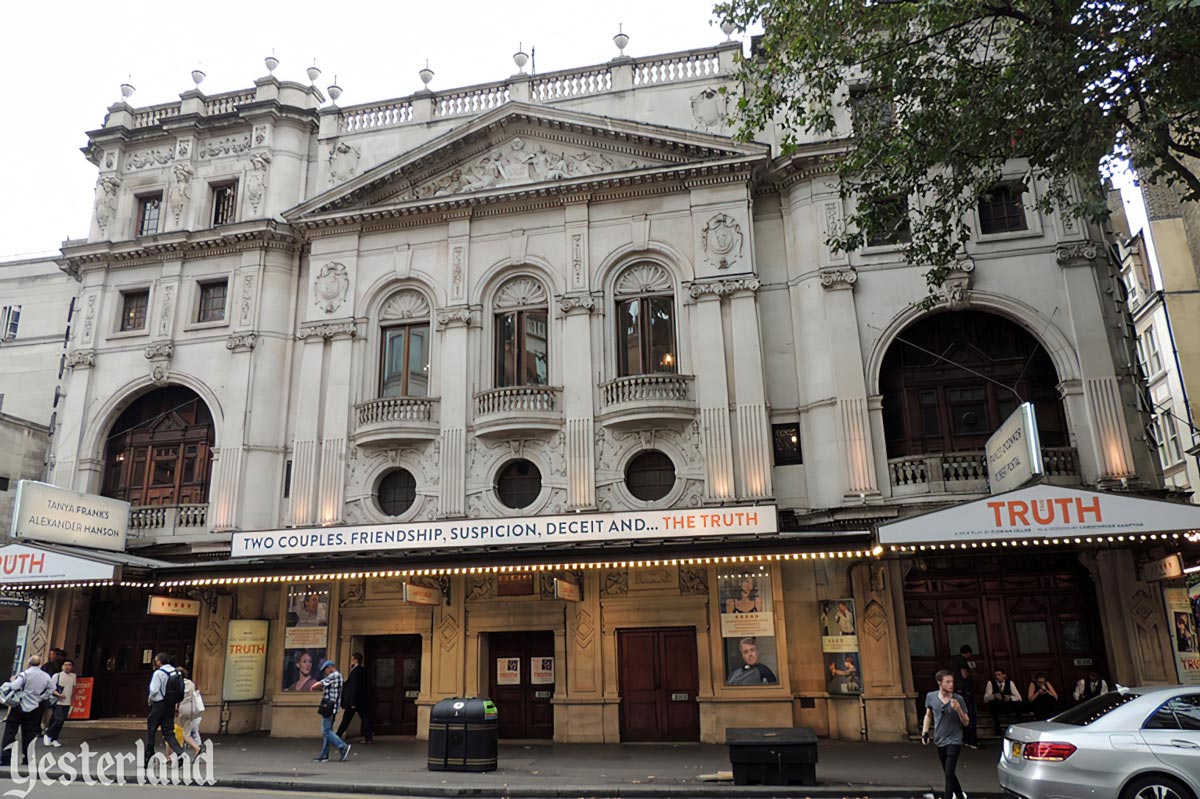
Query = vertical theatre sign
x=839 y=646
x=1014 y=452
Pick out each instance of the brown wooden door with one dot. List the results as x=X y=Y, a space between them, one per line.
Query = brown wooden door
x=659 y=680
x=524 y=707
x=393 y=682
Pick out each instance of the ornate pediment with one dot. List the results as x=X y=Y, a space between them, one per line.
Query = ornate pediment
x=519 y=146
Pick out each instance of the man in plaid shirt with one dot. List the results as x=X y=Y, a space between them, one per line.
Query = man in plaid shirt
x=331 y=686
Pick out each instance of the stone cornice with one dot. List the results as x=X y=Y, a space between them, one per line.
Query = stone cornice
x=325 y=330
x=723 y=288
x=180 y=245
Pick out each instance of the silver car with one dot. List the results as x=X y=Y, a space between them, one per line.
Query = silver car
x=1133 y=743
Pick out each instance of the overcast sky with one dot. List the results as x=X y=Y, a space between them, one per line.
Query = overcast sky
x=65 y=61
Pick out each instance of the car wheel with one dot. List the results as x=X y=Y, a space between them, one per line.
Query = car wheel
x=1156 y=787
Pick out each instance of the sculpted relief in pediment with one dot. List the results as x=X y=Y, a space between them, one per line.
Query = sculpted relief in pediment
x=518 y=162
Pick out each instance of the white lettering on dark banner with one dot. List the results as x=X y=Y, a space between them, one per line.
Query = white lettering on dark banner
x=497 y=532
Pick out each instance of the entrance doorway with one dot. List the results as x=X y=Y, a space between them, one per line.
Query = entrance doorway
x=1025 y=615
x=122 y=643
x=659 y=680
x=522 y=693
x=393 y=682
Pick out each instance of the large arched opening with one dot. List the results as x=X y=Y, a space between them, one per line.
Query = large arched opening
x=159 y=450
x=950 y=379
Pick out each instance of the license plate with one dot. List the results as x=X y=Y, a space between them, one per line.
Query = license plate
x=1014 y=749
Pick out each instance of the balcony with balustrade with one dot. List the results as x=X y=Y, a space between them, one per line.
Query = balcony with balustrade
x=640 y=401
x=958 y=473
x=159 y=524
x=501 y=412
x=389 y=421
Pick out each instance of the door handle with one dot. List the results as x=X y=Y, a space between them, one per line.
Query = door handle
x=1176 y=742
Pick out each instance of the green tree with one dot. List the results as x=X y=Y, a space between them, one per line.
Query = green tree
x=943 y=93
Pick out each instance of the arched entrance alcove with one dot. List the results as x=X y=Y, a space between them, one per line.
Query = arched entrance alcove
x=949 y=379
x=159 y=450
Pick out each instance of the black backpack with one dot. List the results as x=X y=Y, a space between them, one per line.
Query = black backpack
x=173 y=691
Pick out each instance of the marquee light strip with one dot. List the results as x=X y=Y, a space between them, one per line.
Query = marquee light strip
x=79 y=584
x=518 y=569
x=1017 y=543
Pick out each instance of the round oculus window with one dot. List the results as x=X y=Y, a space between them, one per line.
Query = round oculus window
x=518 y=484
x=397 y=492
x=650 y=475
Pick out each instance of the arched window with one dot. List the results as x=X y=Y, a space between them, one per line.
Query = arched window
x=522 y=334
x=159 y=451
x=404 y=340
x=949 y=381
x=645 y=308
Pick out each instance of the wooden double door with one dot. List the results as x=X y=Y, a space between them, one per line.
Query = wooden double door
x=659 y=680
x=1024 y=616
x=393 y=682
x=523 y=694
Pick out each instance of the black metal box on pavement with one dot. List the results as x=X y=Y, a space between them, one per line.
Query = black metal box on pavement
x=464 y=735
x=772 y=756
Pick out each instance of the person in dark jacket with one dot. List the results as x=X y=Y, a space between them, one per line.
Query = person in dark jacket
x=354 y=699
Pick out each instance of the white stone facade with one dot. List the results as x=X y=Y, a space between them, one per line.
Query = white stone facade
x=561 y=192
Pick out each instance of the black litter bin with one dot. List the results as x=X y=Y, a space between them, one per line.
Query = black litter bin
x=463 y=735
x=773 y=756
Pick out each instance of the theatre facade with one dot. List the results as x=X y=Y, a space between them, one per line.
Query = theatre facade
x=550 y=390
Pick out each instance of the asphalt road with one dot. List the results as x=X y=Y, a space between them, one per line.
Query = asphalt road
x=78 y=789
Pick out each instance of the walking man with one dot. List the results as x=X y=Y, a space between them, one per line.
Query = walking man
x=331 y=687
x=64 y=687
x=354 y=699
x=26 y=716
x=166 y=692
x=945 y=720
x=964 y=685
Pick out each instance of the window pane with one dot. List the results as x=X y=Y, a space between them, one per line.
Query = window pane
x=661 y=326
x=506 y=350
x=920 y=641
x=629 y=338
x=397 y=492
x=212 y=302
x=537 y=349
x=1032 y=637
x=418 y=361
x=149 y=210
x=1076 y=636
x=786 y=441
x=960 y=634
x=650 y=476
x=393 y=362
x=384 y=673
x=1187 y=711
x=968 y=411
x=133 y=311
x=931 y=420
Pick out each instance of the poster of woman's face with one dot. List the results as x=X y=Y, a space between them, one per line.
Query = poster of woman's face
x=306 y=635
x=1185 y=632
x=745 y=591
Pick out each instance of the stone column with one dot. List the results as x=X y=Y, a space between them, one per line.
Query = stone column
x=753 y=426
x=712 y=394
x=579 y=401
x=845 y=353
x=1104 y=451
x=306 y=448
x=335 y=425
x=454 y=324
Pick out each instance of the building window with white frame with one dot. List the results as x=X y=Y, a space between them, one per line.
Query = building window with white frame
x=645 y=311
x=522 y=334
x=1153 y=357
x=10 y=320
x=405 y=367
x=1001 y=209
x=212 y=301
x=134 y=307
x=149 y=214
x=1170 y=452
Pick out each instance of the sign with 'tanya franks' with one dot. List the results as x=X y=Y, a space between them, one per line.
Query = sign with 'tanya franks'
x=45 y=512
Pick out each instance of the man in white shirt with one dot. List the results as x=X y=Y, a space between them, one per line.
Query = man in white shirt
x=1002 y=697
x=1090 y=686
x=162 y=711
x=64 y=687
x=35 y=687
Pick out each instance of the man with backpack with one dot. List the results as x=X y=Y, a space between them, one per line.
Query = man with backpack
x=24 y=695
x=166 y=692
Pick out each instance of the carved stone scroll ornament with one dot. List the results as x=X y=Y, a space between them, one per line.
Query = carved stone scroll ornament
x=956 y=288
x=453 y=317
x=81 y=359
x=159 y=355
x=710 y=108
x=241 y=342
x=343 y=162
x=326 y=330
x=1076 y=254
x=721 y=239
x=331 y=286
x=839 y=278
x=573 y=303
x=722 y=288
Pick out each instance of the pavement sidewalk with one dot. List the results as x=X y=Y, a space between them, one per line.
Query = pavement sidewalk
x=396 y=766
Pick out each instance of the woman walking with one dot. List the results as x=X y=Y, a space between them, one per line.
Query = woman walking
x=945 y=718
x=190 y=710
